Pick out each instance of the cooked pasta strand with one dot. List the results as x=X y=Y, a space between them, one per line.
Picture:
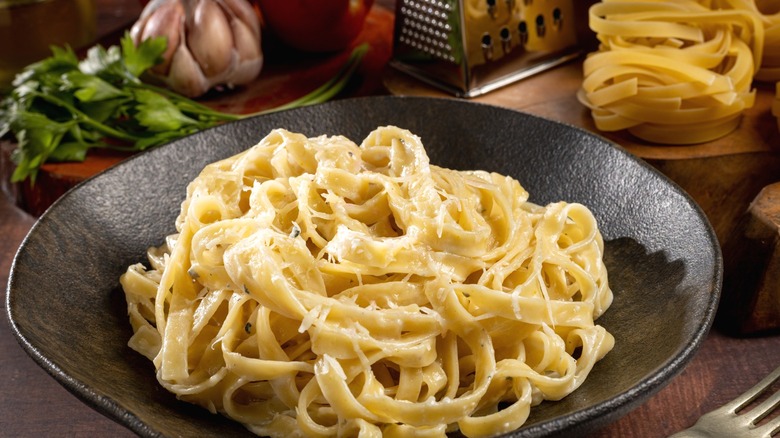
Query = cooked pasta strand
x=316 y=287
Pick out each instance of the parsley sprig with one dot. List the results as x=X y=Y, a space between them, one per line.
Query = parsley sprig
x=61 y=107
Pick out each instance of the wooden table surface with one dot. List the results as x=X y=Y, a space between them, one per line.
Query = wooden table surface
x=33 y=404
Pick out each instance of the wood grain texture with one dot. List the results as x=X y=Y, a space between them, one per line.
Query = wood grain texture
x=724 y=368
x=32 y=404
x=553 y=94
x=752 y=304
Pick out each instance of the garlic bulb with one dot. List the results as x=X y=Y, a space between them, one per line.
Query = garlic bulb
x=210 y=42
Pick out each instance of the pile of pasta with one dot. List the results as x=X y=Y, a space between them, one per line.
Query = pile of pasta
x=679 y=72
x=320 y=288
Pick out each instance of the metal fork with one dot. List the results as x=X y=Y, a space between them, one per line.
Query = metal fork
x=727 y=422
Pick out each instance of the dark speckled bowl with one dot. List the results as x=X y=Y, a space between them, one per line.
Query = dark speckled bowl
x=665 y=266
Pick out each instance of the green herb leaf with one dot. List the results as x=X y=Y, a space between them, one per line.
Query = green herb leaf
x=88 y=88
x=69 y=151
x=103 y=110
x=63 y=59
x=105 y=63
x=158 y=113
x=38 y=139
x=143 y=57
x=157 y=139
x=61 y=107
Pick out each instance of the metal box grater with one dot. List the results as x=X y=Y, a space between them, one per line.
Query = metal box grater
x=471 y=47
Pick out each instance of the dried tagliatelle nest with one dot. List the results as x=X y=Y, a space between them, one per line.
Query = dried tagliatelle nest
x=769 y=13
x=672 y=72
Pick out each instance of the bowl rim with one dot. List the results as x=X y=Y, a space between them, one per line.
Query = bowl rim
x=590 y=417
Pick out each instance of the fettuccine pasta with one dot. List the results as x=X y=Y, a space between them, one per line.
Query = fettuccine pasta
x=315 y=287
x=676 y=72
x=768 y=11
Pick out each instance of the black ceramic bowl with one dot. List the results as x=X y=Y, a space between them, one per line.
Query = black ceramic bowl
x=665 y=267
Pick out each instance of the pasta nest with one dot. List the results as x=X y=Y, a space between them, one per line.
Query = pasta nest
x=678 y=72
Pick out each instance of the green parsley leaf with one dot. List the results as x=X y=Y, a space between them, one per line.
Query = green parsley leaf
x=88 y=88
x=146 y=55
x=38 y=139
x=158 y=113
x=61 y=107
x=69 y=151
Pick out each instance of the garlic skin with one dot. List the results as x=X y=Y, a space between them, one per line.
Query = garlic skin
x=210 y=43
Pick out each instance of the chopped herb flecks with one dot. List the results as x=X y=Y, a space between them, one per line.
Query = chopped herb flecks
x=193 y=273
x=296 y=230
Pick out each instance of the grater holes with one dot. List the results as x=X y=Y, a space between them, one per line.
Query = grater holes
x=491 y=8
x=481 y=36
x=431 y=7
x=522 y=30
x=506 y=39
x=487 y=46
x=416 y=44
x=425 y=27
x=557 y=16
x=428 y=28
x=541 y=29
x=417 y=17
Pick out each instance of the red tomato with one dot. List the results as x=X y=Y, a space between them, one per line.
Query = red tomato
x=315 y=25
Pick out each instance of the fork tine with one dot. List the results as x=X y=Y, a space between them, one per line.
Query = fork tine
x=751 y=394
x=726 y=422
x=765 y=408
x=770 y=428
